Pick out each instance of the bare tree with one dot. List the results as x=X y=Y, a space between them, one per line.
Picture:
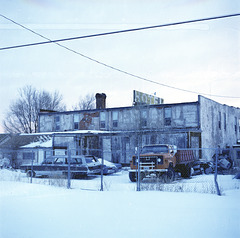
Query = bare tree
x=85 y=103
x=22 y=116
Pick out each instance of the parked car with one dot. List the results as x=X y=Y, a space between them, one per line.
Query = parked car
x=109 y=167
x=80 y=166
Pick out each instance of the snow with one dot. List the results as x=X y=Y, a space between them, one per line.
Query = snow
x=39 y=210
x=42 y=144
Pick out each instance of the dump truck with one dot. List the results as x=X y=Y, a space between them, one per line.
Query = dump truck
x=162 y=161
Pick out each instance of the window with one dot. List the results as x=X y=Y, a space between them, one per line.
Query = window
x=153 y=139
x=219 y=120
x=155 y=149
x=236 y=125
x=57 y=119
x=60 y=161
x=48 y=161
x=225 y=121
x=102 y=119
x=76 y=121
x=90 y=159
x=28 y=155
x=167 y=116
x=47 y=154
x=115 y=119
x=238 y=154
x=143 y=118
x=239 y=125
x=57 y=123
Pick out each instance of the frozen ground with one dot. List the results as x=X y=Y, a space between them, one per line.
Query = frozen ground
x=193 y=210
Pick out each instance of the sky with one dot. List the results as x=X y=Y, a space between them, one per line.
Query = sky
x=203 y=57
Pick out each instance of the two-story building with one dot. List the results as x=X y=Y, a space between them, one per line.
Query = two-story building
x=114 y=133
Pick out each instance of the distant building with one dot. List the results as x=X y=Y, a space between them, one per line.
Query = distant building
x=23 y=148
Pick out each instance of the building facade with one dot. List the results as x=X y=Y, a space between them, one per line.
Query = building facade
x=114 y=133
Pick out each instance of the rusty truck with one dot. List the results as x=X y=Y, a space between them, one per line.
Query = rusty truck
x=161 y=161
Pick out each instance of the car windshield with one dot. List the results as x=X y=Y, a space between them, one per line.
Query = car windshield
x=155 y=149
x=90 y=159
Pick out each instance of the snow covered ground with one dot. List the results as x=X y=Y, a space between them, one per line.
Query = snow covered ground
x=191 y=209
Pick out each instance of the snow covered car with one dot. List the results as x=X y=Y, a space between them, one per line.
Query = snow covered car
x=80 y=166
x=109 y=167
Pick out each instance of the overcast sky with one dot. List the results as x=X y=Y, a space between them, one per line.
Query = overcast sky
x=202 y=57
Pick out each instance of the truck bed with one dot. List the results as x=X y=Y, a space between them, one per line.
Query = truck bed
x=184 y=156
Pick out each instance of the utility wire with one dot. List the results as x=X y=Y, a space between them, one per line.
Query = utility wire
x=118 y=32
x=122 y=71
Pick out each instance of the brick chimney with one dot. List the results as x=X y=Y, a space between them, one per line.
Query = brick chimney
x=100 y=100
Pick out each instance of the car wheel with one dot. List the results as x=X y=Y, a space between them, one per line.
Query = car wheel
x=132 y=176
x=30 y=173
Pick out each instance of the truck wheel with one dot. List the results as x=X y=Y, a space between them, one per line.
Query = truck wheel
x=142 y=176
x=132 y=176
x=187 y=171
x=30 y=173
x=169 y=176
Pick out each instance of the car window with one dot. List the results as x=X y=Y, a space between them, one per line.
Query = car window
x=60 y=161
x=47 y=161
x=90 y=159
x=76 y=161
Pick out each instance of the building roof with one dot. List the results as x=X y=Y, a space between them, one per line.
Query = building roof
x=15 y=141
x=120 y=108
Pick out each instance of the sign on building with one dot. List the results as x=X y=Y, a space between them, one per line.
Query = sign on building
x=143 y=98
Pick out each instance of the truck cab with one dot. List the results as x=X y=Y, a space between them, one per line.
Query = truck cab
x=161 y=161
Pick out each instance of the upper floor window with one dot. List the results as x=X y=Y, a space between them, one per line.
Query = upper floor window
x=76 y=121
x=225 y=121
x=236 y=125
x=143 y=118
x=239 y=125
x=57 y=123
x=102 y=119
x=219 y=120
x=167 y=116
x=115 y=119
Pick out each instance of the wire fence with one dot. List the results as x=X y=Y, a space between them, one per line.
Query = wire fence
x=206 y=170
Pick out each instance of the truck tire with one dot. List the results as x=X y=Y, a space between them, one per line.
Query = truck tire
x=142 y=176
x=169 y=176
x=186 y=171
x=132 y=176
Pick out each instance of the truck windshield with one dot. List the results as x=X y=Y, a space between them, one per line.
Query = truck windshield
x=155 y=149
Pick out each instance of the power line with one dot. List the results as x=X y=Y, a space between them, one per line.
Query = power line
x=122 y=71
x=117 y=32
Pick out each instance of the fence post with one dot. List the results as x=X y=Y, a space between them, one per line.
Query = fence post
x=138 y=176
x=31 y=168
x=102 y=175
x=69 y=170
x=215 y=174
